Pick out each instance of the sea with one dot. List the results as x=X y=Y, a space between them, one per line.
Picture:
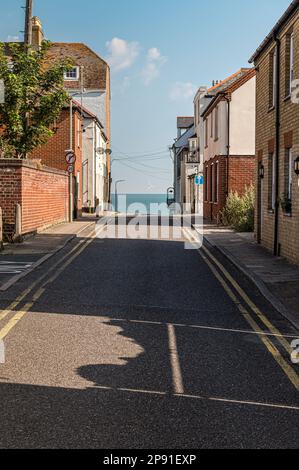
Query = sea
x=143 y=203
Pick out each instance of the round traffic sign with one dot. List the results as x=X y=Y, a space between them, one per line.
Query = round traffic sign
x=71 y=168
x=70 y=158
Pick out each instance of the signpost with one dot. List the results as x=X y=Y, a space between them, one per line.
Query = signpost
x=70 y=159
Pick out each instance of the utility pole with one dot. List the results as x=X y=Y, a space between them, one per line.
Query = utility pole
x=28 y=23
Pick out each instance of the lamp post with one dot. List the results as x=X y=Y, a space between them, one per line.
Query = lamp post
x=116 y=193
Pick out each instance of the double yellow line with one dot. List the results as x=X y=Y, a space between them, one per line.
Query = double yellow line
x=224 y=277
x=229 y=283
x=57 y=268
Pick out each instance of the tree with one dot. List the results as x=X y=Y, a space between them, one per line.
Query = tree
x=34 y=98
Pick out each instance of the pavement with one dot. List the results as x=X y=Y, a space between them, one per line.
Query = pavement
x=276 y=278
x=137 y=343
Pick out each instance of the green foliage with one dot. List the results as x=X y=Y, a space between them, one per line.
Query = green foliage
x=239 y=211
x=34 y=98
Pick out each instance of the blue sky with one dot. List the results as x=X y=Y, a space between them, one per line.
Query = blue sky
x=160 y=52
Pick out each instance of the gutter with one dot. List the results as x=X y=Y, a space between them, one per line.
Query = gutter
x=285 y=17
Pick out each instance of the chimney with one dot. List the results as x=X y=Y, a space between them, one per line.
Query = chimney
x=37 y=32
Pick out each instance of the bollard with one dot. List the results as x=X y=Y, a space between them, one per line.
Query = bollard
x=18 y=224
x=1 y=230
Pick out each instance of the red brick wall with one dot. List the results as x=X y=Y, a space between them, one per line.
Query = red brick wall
x=241 y=175
x=42 y=193
x=52 y=154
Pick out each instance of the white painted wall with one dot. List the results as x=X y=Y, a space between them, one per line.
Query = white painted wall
x=94 y=165
x=242 y=130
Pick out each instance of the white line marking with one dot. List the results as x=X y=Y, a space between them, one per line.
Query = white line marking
x=198 y=397
x=175 y=362
x=202 y=327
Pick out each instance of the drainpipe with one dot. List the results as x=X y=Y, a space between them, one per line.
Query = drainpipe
x=277 y=146
x=228 y=145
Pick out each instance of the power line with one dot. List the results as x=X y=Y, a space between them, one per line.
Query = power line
x=138 y=170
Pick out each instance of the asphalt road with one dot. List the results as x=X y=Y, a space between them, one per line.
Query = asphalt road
x=126 y=343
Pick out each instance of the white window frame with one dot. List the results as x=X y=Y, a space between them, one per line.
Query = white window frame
x=72 y=79
x=292 y=52
x=206 y=132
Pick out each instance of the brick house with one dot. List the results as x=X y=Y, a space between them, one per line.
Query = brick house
x=52 y=154
x=89 y=84
x=229 y=140
x=277 y=137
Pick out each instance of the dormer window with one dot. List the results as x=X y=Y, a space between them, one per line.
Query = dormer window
x=72 y=74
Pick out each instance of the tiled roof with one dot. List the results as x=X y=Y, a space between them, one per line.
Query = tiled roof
x=221 y=86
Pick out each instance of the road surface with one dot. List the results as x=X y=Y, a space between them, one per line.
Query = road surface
x=137 y=343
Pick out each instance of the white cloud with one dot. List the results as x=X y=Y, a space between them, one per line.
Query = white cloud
x=182 y=91
x=155 y=60
x=122 y=54
x=154 y=54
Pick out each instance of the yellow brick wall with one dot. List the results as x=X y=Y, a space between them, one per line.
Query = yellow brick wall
x=265 y=133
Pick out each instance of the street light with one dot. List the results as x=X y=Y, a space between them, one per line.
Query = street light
x=116 y=194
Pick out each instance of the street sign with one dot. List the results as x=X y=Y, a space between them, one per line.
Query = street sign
x=199 y=180
x=70 y=158
x=71 y=169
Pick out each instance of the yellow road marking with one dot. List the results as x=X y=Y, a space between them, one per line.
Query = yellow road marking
x=19 y=315
x=249 y=302
x=288 y=370
x=14 y=320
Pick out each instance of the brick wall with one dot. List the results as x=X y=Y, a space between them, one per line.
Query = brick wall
x=288 y=228
x=241 y=175
x=52 y=154
x=42 y=193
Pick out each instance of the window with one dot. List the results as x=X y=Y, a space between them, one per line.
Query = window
x=216 y=181
x=216 y=123
x=211 y=125
x=206 y=184
x=206 y=132
x=271 y=182
x=272 y=79
x=72 y=74
x=291 y=60
x=290 y=63
x=289 y=173
x=211 y=186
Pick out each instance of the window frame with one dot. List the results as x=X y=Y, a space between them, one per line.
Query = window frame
x=73 y=79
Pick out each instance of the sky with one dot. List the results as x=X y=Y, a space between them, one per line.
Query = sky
x=160 y=52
